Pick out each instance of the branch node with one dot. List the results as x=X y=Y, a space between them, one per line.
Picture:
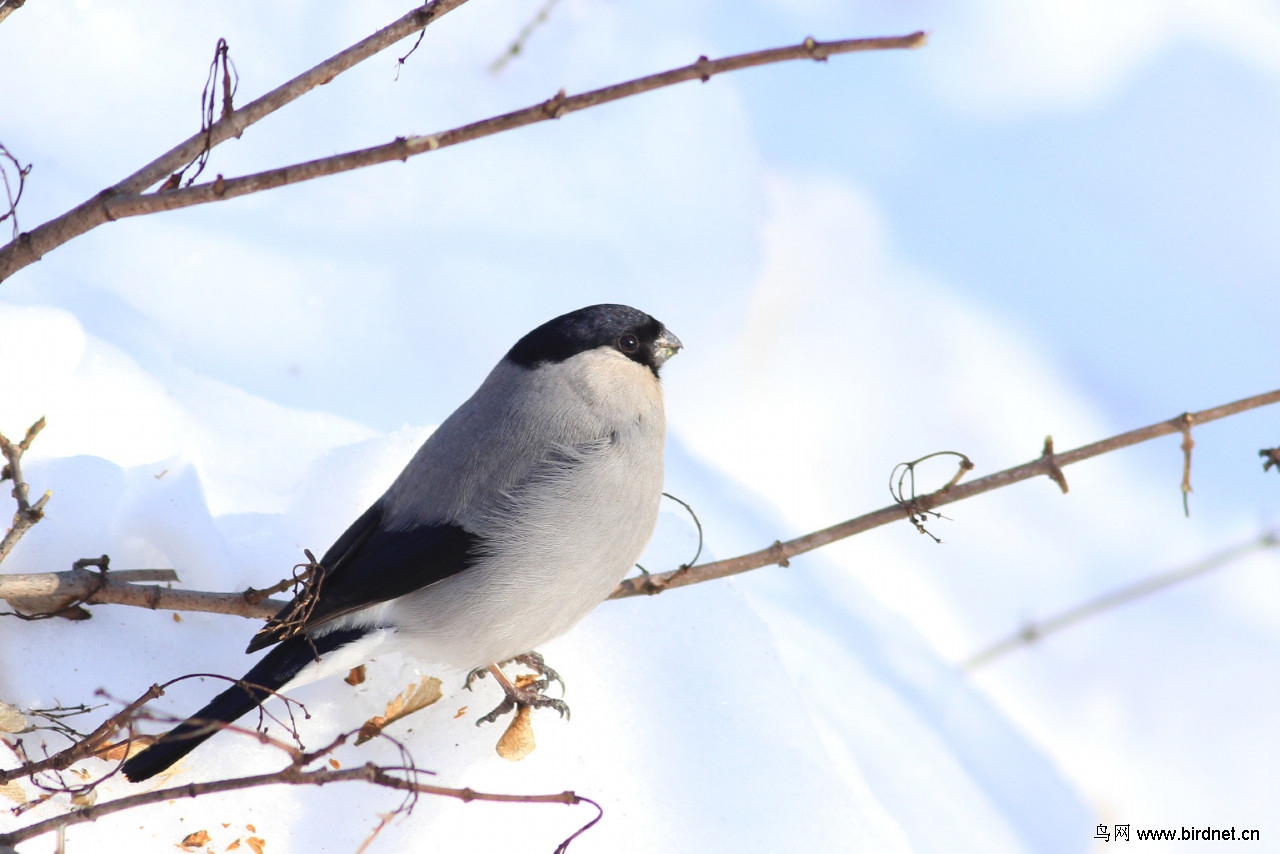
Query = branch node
x=554 y=107
x=219 y=186
x=814 y=48
x=104 y=202
x=1185 y=421
x=701 y=67
x=1054 y=473
x=1270 y=457
x=782 y=558
x=902 y=486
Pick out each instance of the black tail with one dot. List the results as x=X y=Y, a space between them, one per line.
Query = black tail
x=274 y=670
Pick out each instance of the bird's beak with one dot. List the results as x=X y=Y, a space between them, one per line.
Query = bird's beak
x=665 y=346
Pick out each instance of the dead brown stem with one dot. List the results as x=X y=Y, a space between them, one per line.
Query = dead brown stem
x=86 y=747
x=1034 y=631
x=8 y=7
x=30 y=246
x=294 y=775
x=53 y=590
x=1046 y=464
x=126 y=198
x=115 y=590
x=27 y=513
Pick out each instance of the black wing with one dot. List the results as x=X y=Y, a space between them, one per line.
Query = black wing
x=370 y=564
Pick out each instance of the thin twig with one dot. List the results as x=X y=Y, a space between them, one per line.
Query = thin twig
x=1033 y=632
x=516 y=47
x=8 y=7
x=86 y=747
x=291 y=776
x=27 y=513
x=30 y=246
x=1045 y=465
x=117 y=204
x=12 y=197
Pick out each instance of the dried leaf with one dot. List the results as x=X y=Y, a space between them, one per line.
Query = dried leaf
x=11 y=720
x=176 y=617
x=356 y=676
x=233 y=846
x=517 y=742
x=408 y=701
x=195 y=840
x=413 y=698
x=460 y=712
x=256 y=844
x=14 y=792
x=371 y=728
x=85 y=799
x=333 y=763
x=251 y=828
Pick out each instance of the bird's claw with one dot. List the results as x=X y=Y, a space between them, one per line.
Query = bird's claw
x=529 y=695
x=535 y=662
x=531 y=699
x=478 y=673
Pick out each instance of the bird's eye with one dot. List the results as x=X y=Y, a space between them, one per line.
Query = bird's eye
x=628 y=343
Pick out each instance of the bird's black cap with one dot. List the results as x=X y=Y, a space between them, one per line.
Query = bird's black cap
x=630 y=331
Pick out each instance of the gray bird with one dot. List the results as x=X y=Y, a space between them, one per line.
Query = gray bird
x=516 y=517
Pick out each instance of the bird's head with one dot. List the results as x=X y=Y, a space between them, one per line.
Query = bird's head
x=627 y=330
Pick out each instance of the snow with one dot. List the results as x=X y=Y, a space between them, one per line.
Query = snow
x=1054 y=220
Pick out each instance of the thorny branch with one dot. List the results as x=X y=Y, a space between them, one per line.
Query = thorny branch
x=127 y=199
x=294 y=775
x=93 y=744
x=1032 y=632
x=116 y=590
x=27 y=513
x=780 y=553
x=30 y=246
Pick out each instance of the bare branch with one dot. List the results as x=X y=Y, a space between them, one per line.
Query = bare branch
x=516 y=47
x=116 y=588
x=8 y=7
x=30 y=246
x=126 y=199
x=294 y=775
x=1048 y=464
x=1033 y=632
x=27 y=513
x=91 y=745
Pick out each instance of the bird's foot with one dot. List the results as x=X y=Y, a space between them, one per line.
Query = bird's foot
x=527 y=691
x=532 y=660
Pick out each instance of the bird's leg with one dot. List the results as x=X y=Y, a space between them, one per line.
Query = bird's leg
x=517 y=695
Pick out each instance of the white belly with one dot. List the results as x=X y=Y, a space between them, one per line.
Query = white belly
x=576 y=538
